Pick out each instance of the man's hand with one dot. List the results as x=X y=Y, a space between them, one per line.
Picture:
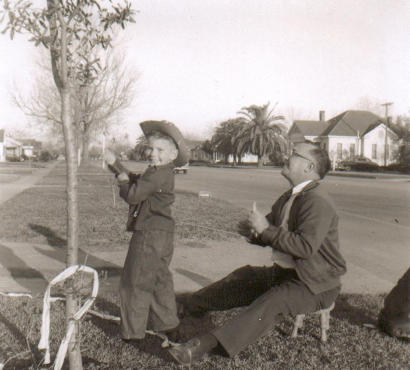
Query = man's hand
x=257 y=220
x=244 y=229
x=123 y=177
x=109 y=157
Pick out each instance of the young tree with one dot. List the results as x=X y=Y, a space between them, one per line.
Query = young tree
x=70 y=30
x=260 y=135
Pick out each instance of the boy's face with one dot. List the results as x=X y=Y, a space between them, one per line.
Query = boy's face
x=161 y=151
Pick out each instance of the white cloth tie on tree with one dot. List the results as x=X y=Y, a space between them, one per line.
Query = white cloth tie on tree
x=45 y=325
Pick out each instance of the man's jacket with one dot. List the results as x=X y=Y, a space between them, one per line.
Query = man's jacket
x=150 y=197
x=312 y=237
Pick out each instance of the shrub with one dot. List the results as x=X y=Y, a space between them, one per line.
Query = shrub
x=45 y=156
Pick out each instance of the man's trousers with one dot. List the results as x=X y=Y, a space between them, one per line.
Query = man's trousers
x=268 y=292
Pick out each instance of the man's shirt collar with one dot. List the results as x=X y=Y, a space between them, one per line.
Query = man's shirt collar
x=299 y=187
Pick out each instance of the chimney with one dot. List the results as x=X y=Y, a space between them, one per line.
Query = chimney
x=321 y=115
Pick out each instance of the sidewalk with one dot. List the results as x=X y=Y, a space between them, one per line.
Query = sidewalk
x=28 y=267
x=29 y=177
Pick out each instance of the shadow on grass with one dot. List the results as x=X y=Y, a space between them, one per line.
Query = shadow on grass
x=22 y=273
x=197 y=278
x=59 y=253
x=150 y=344
x=14 y=330
x=52 y=238
x=189 y=328
x=27 y=359
x=356 y=314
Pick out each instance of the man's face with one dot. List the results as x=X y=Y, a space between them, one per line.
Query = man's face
x=160 y=151
x=300 y=166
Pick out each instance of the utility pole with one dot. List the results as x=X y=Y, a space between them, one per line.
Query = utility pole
x=386 y=106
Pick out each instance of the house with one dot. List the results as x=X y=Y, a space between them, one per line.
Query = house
x=16 y=150
x=31 y=148
x=307 y=130
x=196 y=151
x=351 y=133
x=13 y=149
x=198 y=154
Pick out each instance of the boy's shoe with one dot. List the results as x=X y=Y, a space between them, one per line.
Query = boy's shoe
x=174 y=335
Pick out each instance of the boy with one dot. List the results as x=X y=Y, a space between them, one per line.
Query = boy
x=146 y=287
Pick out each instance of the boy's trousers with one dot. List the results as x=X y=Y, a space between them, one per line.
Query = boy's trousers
x=146 y=287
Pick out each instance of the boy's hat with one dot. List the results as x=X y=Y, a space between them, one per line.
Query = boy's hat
x=169 y=129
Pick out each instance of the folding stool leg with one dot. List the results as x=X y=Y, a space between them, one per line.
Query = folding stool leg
x=324 y=322
x=297 y=324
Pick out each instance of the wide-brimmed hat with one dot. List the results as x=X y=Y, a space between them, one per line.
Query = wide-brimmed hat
x=169 y=129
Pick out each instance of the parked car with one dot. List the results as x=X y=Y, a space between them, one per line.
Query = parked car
x=183 y=169
x=357 y=164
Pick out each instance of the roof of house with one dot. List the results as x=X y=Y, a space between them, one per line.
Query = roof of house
x=309 y=128
x=302 y=128
x=352 y=123
x=31 y=142
x=193 y=144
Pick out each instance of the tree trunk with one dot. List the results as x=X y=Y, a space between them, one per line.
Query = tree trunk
x=72 y=222
x=260 y=161
x=85 y=155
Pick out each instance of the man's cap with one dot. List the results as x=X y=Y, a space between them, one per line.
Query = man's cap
x=169 y=129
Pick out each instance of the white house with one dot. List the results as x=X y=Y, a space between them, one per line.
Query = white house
x=13 y=148
x=351 y=133
x=308 y=130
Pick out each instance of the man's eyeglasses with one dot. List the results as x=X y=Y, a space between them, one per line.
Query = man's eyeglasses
x=296 y=154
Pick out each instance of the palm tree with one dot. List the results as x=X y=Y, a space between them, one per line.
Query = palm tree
x=223 y=138
x=259 y=134
x=208 y=148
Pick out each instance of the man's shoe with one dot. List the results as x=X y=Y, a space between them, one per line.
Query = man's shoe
x=187 y=353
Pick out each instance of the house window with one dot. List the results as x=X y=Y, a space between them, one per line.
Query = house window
x=351 y=150
x=339 y=150
x=374 y=151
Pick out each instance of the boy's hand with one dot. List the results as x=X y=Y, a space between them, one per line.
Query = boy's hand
x=109 y=157
x=123 y=177
x=257 y=220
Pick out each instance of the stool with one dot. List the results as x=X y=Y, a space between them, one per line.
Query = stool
x=324 y=322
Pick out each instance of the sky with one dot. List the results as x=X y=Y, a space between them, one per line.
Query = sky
x=200 y=62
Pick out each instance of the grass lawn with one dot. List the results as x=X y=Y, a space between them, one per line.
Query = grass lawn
x=38 y=215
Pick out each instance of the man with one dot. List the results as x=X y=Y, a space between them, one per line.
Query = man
x=303 y=227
